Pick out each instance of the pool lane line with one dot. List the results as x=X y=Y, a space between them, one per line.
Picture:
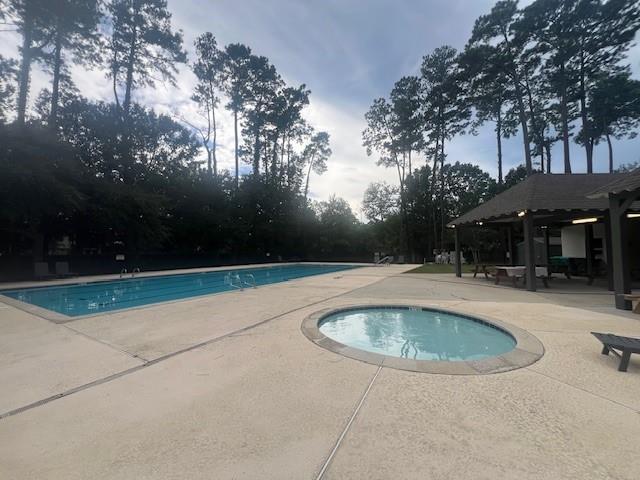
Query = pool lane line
x=162 y=358
x=327 y=462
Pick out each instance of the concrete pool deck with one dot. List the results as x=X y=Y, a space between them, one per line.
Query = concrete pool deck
x=227 y=386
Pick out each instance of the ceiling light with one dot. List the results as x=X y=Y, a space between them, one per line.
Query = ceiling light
x=584 y=220
x=633 y=215
x=522 y=213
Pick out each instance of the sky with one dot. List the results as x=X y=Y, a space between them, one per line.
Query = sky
x=347 y=52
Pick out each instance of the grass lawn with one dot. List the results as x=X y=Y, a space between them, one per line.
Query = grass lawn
x=440 y=268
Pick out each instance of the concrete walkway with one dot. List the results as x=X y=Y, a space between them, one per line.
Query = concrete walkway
x=226 y=386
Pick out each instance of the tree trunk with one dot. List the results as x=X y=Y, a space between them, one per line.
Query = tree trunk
x=610 y=147
x=433 y=192
x=55 y=87
x=564 y=116
x=586 y=127
x=547 y=146
x=442 y=156
x=306 y=187
x=256 y=151
x=25 y=66
x=131 y=60
x=499 y=140
x=274 y=158
x=522 y=115
x=215 y=137
x=235 y=135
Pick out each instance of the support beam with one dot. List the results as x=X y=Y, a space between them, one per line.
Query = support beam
x=620 y=251
x=607 y=241
x=510 y=247
x=458 y=256
x=529 y=252
x=588 y=250
x=545 y=231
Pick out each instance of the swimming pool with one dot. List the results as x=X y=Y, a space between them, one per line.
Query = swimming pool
x=417 y=333
x=97 y=297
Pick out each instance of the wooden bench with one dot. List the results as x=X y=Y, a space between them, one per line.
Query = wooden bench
x=626 y=345
x=634 y=298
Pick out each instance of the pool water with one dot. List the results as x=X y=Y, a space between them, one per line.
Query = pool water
x=416 y=333
x=97 y=297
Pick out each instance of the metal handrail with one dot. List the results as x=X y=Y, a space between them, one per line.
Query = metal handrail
x=385 y=261
x=133 y=272
x=250 y=280
x=232 y=277
x=123 y=272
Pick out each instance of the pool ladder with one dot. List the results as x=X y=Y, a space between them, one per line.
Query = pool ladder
x=233 y=279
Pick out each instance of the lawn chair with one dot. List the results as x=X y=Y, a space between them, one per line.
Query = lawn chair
x=62 y=270
x=611 y=343
x=41 y=271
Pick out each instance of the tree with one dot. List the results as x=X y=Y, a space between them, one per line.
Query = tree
x=208 y=68
x=316 y=154
x=31 y=18
x=447 y=111
x=235 y=84
x=286 y=118
x=406 y=104
x=380 y=201
x=7 y=90
x=73 y=28
x=381 y=136
x=489 y=92
x=465 y=187
x=142 y=44
x=499 y=28
x=549 y=23
x=606 y=30
x=614 y=109
x=515 y=176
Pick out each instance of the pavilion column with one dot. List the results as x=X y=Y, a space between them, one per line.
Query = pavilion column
x=607 y=239
x=511 y=249
x=529 y=252
x=588 y=250
x=545 y=231
x=620 y=251
x=456 y=232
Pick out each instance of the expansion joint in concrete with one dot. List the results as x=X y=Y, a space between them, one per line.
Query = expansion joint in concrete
x=327 y=462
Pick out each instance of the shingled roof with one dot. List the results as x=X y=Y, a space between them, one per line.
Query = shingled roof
x=544 y=193
x=627 y=183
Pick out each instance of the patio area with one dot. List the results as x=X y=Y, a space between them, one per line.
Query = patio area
x=227 y=386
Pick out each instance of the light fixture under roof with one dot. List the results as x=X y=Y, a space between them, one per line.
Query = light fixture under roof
x=584 y=220
x=522 y=213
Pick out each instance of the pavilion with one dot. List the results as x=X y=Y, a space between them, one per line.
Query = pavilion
x=610 y=200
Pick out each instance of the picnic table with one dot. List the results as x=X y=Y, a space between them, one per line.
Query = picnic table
x=514 y=273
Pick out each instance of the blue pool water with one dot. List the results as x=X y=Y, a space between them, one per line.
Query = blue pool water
x=97 y=297
x=414 y=333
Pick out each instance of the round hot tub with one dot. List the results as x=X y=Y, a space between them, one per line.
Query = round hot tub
x=423 y=339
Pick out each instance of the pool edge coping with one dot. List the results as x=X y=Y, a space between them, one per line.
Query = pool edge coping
x=528 y=350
